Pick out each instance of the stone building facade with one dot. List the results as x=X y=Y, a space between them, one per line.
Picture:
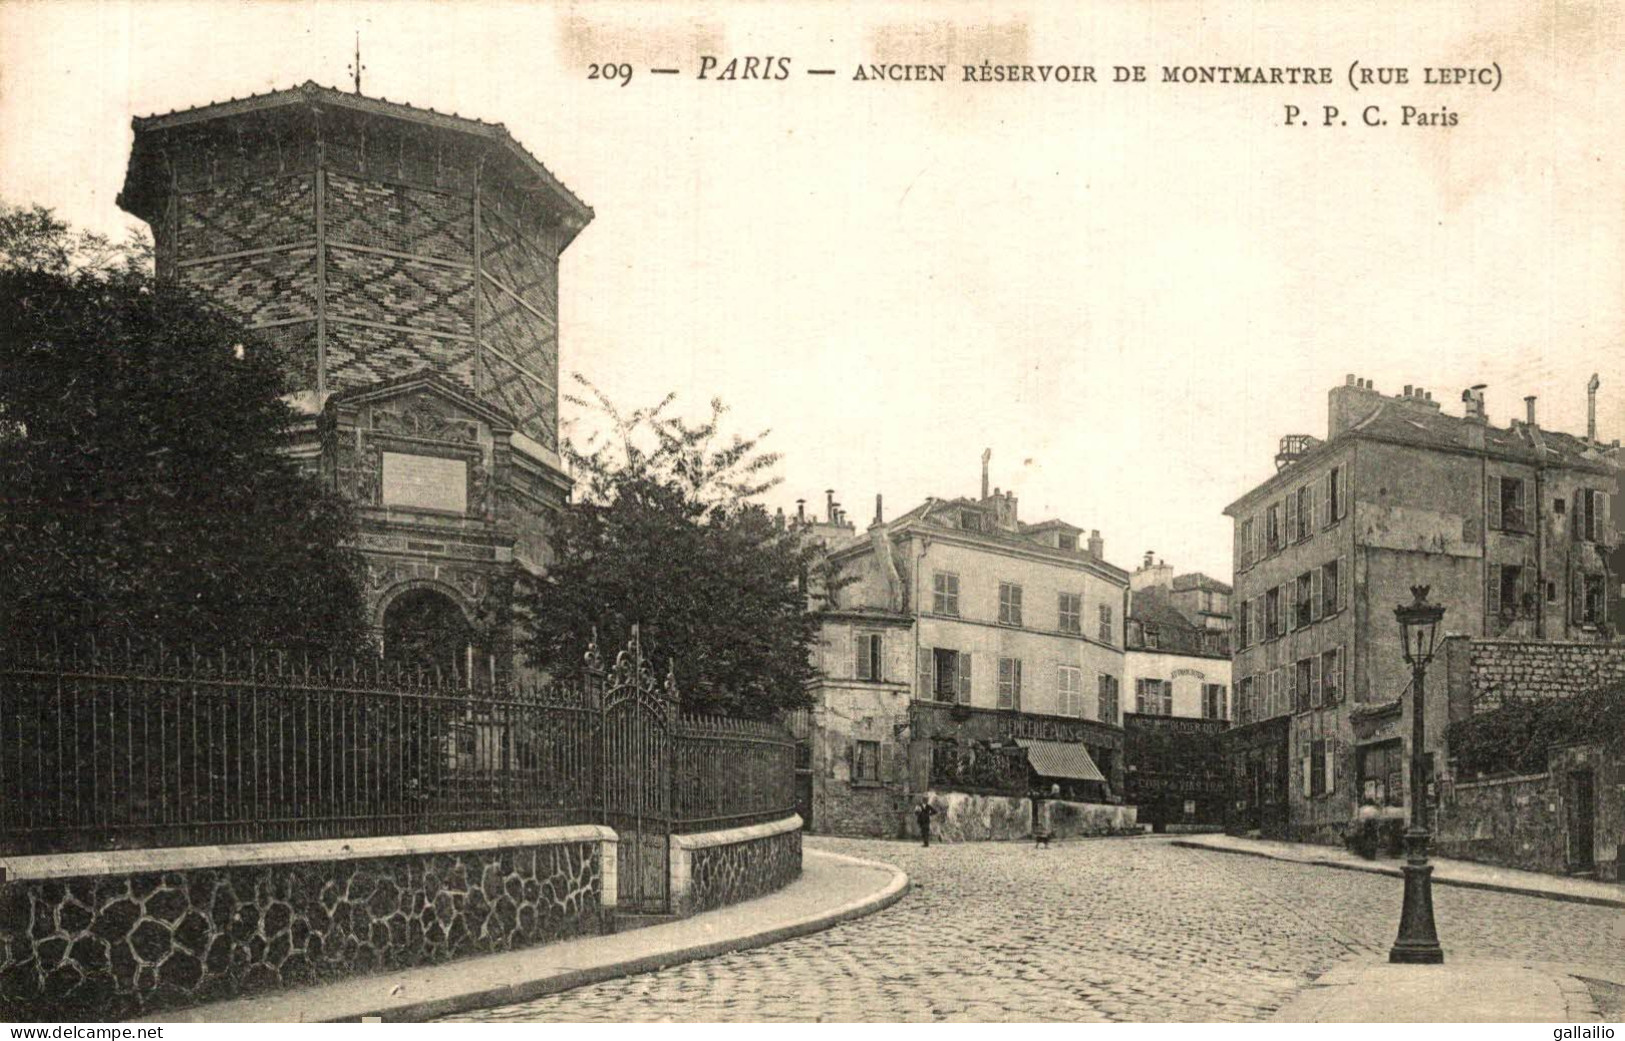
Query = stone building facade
x=404 y=265
x=1510 y=528
x=956 y=603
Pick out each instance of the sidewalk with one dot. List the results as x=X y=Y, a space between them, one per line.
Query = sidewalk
x=1445 y=872
x=1456 y=992
x=832 y=888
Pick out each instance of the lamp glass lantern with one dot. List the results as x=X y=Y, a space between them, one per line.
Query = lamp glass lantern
x=1419 y=626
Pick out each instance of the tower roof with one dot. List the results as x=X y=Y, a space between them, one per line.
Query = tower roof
x=312 y=93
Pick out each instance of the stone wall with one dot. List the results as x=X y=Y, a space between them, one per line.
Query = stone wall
x=963 y=817
x=718 y=868
x=110 y=936
x=1523 y=822
x=1483 y=672
x=1065 y=820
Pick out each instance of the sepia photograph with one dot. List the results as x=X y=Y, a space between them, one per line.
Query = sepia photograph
x=526 y=512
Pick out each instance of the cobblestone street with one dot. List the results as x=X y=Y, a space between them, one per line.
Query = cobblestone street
x=1115 y=929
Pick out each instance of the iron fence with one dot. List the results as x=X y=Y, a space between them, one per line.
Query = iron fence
x=125 y=750
x=116 y=749
x=731 y=773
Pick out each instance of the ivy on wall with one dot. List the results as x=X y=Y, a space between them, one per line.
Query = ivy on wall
x=1516 y=737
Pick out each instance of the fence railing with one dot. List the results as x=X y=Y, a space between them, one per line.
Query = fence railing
x=127 y=750
x=731 y=773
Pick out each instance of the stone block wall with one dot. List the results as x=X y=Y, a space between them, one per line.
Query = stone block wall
x=1483 y=672
x=718 y=868
x=964 y=817
x=110 y=936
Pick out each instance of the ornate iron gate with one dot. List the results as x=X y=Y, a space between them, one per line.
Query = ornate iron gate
x=639 y=717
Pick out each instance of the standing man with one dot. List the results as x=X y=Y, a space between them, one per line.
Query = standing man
x=923 y=814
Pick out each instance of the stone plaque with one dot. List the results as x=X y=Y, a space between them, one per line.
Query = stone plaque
x=425 y=482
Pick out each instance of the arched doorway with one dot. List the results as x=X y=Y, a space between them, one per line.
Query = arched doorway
x=425 y=631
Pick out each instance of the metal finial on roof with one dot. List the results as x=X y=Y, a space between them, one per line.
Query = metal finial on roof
x=356 y=68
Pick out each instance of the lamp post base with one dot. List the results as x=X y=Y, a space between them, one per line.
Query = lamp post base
x=1418 y=942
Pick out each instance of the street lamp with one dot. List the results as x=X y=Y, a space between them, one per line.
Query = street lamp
x=1418 y=942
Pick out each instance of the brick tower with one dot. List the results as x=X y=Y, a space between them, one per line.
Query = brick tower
x=404 y=265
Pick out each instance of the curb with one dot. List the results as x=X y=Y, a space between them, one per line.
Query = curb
x=1391 y=872
x=516 y=993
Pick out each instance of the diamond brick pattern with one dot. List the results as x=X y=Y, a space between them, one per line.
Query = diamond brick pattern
x=358 y=355
x=247 y=215
x=521 y=266
x=533 y=406
x=295 y=345
x=381 y=288
x=265 y=287
x=406 y=220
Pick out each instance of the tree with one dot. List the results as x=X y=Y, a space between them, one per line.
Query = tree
x=144 y=477
x=663 y=535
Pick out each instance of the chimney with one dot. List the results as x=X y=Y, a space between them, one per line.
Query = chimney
x=987 y=453
x=1529 y=410
x=1473 y=403
x=1096 y=545
x=778 y=518
x=1348 y=404
x=829 y=505
x=1149 y=558
x=801 y=511
x=1591 y=407
x=879 y=516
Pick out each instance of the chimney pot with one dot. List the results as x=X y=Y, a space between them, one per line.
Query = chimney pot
x=1591 y=407
x=1349 y=380
x=1407 y=390
x=1529 y=409
x=879 y=515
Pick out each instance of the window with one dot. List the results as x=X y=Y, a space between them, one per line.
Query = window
x=1106 y=623
x=1069 y=606
x=1328 y=589
x=945 y=675
x=1511 y=504
x=1154 y=697
x=1213 y=706
x=1009 y=604
x=1510 y=580
x=1305 y=598
x=1010 y=683
x=1069 y=690
x=1587 y=522
x=1272 y=538
x=1107 y=699
x=1306 y=507
x=945 y=593
x=1244 y=545
x=1066 y=540
x=1244 y=700
x=1331 y=676
x=868 y=657
x=1551 y=592
x=1591 y=607
x=1301 y=685
x=1272 y=613
x=1557 y=506
x=1319 y=761
x=1382 y=774
x=1150 y=638
x=1243 y=630
x=866 y=762
x=1334 y=495
x=970 y=521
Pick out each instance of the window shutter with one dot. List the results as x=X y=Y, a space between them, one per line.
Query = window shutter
x=1342 y=673
x=1577 y=599
x=1342 y=494
x=928 y=672
x=1291 y=533
x=1338 y=766
x=1313 y=509
x=1314 y=681
x=1304 y=772
x=1599 y=502
x=964 y=677
x=859 y=659
x=1315 y=590
x=1492 y=600
x=1323 y=510
x=1345 y=578
x=1329 y=781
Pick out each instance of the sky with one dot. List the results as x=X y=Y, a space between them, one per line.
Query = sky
x=1128 y=292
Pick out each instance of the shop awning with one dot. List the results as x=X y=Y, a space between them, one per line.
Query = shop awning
x=1060 y=759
